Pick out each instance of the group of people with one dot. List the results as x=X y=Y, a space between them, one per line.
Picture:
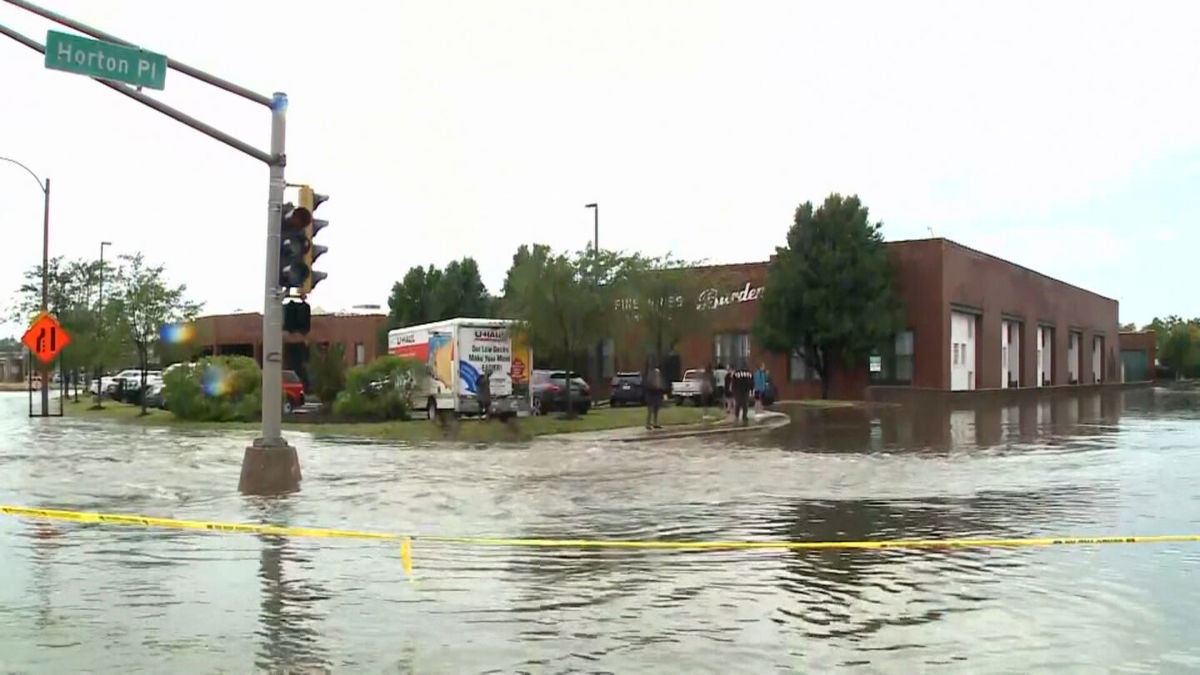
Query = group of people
x=735 y=388
x=741 y=386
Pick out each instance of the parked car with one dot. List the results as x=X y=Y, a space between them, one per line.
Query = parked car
x=293 y=392
x=154 y=396
x=550 y=392
x=627 y=390
x=126 y=385
x=691 y=389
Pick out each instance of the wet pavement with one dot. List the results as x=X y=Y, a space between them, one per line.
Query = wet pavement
x=79 y=597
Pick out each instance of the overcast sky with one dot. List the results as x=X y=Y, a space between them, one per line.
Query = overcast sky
x=1063 y=136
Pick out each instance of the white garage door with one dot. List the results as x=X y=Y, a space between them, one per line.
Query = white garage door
x=962 y=351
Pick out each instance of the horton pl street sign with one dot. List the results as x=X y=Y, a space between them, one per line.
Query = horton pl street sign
x=105 y=60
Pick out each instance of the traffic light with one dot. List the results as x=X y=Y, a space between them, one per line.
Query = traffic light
x=297 y=317
x=293 y=247
x=309 y=203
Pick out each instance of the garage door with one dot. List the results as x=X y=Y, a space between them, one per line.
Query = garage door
x=1137 y=365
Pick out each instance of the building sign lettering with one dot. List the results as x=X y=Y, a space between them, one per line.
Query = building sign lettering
x=709 y=298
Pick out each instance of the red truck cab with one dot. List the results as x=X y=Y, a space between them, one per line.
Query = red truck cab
x=293 y=391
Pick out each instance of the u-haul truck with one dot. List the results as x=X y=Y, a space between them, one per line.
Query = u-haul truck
x=456 y=354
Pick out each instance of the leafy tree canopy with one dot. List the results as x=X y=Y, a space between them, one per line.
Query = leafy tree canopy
x=829 y=294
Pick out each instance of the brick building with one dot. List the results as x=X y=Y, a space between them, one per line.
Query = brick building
x=1139 y=355
x=972 y=321
x=358 y=333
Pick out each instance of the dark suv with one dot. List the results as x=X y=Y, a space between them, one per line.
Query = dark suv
x=626 y=390
x=550 y=392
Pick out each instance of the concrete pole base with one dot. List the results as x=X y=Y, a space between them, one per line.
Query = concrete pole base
x=269 y=470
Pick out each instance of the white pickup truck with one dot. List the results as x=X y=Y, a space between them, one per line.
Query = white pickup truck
x=691 y=388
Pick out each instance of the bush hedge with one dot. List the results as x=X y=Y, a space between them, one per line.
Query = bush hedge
x=215 y=389
x=380 y=390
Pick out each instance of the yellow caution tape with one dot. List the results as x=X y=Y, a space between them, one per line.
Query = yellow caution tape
x=406 y=541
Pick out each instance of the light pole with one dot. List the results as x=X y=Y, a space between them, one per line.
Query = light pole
x=100 y=330
x=596 y=213
x=596 y=259
x=45 y=188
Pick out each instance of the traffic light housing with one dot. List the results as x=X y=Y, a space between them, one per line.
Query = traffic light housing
x=310 y=201
x=293 y=247
x=297 y=317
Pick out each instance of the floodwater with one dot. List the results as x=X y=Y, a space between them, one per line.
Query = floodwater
x=123 y=599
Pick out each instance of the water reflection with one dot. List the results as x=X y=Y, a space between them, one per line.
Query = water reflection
x=945 y=425
x=289 y=611
x=88 y=598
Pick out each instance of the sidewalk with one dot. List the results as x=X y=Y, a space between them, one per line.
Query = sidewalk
x=763 y=421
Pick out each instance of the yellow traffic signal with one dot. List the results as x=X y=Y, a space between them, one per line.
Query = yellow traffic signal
x=311 y=201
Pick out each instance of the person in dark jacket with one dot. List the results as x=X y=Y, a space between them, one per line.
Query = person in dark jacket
x=654 y=388
x=483 y=392
x=743 y=385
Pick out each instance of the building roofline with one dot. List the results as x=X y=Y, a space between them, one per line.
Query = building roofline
x=997 y=258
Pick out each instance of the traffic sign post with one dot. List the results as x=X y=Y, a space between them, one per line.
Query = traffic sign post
x=105 y=60
x=270 y=465
x=45 y=340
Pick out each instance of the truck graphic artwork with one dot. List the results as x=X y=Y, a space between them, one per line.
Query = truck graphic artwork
x=456 y=354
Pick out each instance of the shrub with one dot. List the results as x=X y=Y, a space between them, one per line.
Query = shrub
x=379 y=390
x=215 y=389
x=329 y=374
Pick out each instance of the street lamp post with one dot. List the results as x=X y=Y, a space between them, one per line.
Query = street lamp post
x=45 y=188
x=596 y=258
x=100 y=330
x=596 y=220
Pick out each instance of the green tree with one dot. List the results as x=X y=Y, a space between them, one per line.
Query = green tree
x=657 y=306
x=413 y=300
x=329 y=373
x=380 y=390
x=538 y=253
x=428 y=294
x=144 y=303
x=1180 y=347
x=73 y=298
x=564 y=302
x=830 y=294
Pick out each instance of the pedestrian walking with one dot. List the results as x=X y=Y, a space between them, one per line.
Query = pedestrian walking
x=743 y=386
x=652 y=385
x=760 y=386
x=483 y=392
x=727 y=395
x=708 y=389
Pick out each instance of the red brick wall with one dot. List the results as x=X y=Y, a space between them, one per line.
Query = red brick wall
x=231 y=329
x=1146 y=341
x=997 y=287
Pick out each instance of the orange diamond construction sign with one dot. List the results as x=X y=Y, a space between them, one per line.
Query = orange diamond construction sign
x=45 y=338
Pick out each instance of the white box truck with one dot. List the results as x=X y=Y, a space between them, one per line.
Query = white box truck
x=456 y=354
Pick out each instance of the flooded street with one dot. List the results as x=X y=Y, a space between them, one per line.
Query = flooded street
x=85 y=597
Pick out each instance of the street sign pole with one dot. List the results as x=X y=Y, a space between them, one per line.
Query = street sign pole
x=272 y=395
x=270 y=465
x=46 y=292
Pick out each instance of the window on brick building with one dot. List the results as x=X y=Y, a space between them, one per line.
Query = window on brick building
x=731 y=349
x=360 y=353
x=799 y=370
x=896 y=359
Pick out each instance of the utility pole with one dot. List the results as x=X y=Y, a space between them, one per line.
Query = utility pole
x=45 y=188
x=270 y=465
x=596 y=259
x=100 y=330
x=596 y=220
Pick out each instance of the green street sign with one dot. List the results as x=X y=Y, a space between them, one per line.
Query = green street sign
x=105 y=60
